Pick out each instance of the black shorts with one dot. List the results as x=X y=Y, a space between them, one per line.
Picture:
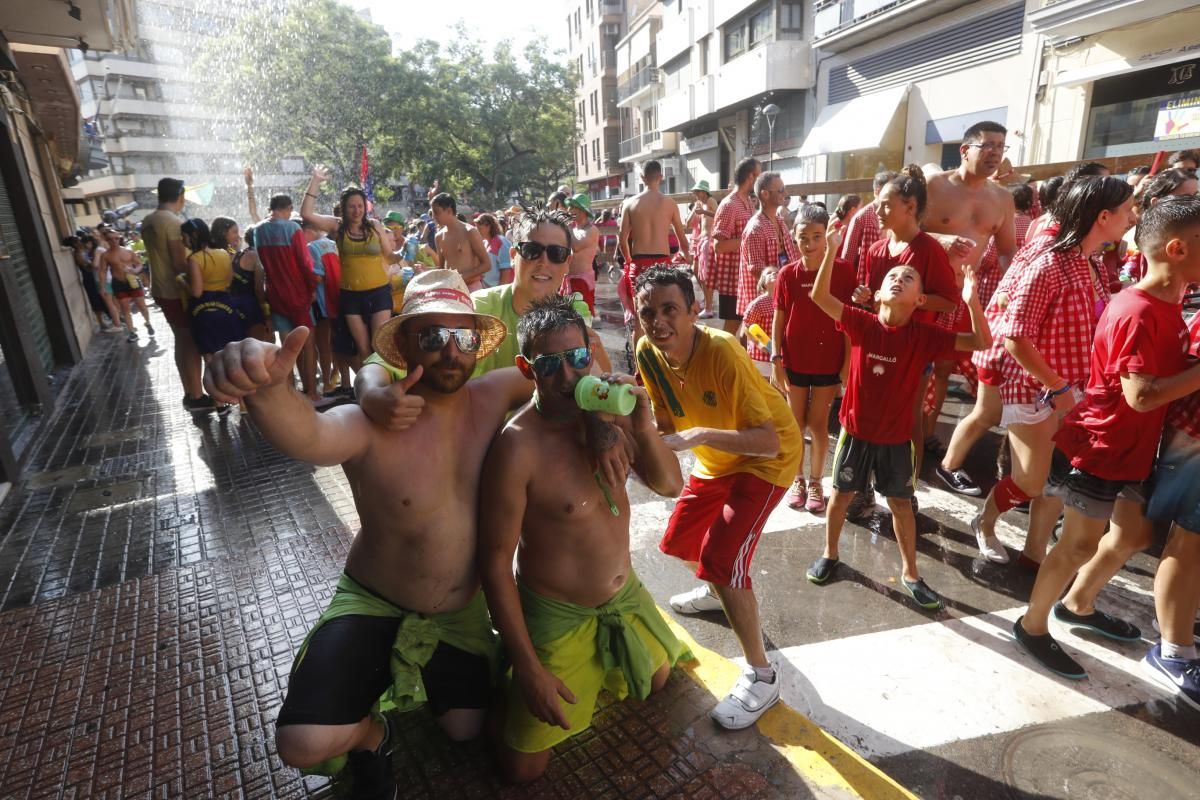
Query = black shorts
x=807 y=380
x=347 y=668
x=316 y=313
x=727 y=307
x=891 y=467
x=340 y=338
x=1088 y=494
x=365 y=303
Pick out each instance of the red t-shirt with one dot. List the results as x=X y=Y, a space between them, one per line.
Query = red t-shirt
x=886 y=363
x=924 y=254
x=1102 y=435
x=812 y=343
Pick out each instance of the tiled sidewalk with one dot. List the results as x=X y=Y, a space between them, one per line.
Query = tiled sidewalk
x=157 y=573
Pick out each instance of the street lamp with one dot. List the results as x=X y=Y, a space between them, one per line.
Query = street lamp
x=771 y=111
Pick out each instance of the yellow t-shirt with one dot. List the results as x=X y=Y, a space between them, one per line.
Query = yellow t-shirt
x=216 y=268
x=158 y=229
x=721 y=388
x=363 y=267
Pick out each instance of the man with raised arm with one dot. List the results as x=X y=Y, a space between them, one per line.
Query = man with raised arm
x=576 y=618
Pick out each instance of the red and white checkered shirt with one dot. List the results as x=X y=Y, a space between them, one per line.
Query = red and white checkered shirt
x=1055 y=304
x=996 y=357
x=762 y=242
x=864 y=231
x=1184 y=415
x=732 y=215
x=761 y=312
x=989 y=265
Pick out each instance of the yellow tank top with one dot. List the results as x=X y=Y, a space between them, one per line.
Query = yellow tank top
x=216 y=267
x=362 y=263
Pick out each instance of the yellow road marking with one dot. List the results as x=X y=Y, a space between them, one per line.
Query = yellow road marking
x=815 y=754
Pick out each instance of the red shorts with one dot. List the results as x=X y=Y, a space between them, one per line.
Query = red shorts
x=639 y=265
x=990 y=376
x=717 y=522
x=586 y=288
x=177 y=316
x=128 y=293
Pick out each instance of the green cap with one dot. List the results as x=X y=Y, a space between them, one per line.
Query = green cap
x=394 y=216
x=701 y=186
x=580 y=201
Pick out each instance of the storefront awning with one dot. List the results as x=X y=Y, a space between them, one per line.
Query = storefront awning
x=1118 y=66
x=857 y=124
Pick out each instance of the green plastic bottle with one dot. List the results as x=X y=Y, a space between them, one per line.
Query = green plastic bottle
x=593 y=394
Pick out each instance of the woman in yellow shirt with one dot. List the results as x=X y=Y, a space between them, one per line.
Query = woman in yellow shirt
x=214 y=321
x=365 y=249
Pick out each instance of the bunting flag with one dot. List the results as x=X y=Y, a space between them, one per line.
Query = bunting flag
x=364 y=179
x=201 y=194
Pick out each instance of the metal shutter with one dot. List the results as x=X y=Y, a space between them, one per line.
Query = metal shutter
x=25 y=305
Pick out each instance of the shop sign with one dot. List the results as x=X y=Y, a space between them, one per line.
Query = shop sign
x=1178 y=118
x=695 y=144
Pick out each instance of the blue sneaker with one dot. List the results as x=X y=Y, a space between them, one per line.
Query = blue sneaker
x=1177 y=675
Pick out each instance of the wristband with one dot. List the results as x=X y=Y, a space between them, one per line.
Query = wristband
x=1056 y=392
x=310 y=194
x=777 y=358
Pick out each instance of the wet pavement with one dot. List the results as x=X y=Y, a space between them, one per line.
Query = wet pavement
x=157 y=572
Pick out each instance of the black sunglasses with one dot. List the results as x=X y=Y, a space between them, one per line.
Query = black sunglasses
x=532 y=251
x=546 y=365
x=434 y=338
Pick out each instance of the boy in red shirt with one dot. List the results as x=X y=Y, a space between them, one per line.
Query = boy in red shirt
x=1107 y=444
x=889 y=351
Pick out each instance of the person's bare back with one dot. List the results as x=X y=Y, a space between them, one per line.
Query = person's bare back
x=460 y=247
x=978 y=213
x=573 y=548
x=583 y=252
x=649 y=217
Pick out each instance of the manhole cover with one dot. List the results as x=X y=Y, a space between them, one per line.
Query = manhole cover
x=116 y=437
x=1073 y=763
x=104 y=496
x=60 y=477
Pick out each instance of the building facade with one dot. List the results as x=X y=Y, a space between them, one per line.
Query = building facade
x=44 y=318
x=594 y=27
x=146 y=116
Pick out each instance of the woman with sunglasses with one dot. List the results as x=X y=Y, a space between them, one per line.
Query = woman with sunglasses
x=365 y=250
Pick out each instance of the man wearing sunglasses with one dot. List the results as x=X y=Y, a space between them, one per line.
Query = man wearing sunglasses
x=413 y=563
x=541 y=257
x=709 y=398
x=573 y=561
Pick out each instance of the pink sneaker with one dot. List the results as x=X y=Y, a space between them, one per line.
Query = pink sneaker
x=816 y=499
x=796 y=495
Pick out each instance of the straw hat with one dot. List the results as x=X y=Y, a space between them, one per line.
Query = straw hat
x=437 y=291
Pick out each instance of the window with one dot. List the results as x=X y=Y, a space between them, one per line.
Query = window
x=596 y=152
x=791 y=19
x=595 y=106
x=568 y=27
x=760 y=27
x=735 y=40
x=704 y=44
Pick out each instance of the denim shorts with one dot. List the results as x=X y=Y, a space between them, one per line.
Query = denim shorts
x=1175 y=486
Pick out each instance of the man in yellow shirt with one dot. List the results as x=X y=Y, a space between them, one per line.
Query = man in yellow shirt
x=708 y=397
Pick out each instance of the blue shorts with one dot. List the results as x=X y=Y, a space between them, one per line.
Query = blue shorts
x=365 y=303
x=1175 y=486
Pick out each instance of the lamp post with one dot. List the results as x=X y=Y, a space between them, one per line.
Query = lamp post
x=771 y=111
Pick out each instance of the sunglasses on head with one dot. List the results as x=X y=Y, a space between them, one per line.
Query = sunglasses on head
x=532 y=251
x=434 y=338
x=546 y=365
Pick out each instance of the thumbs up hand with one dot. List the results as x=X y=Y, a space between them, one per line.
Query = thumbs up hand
x=391 y=406
x=242 y=368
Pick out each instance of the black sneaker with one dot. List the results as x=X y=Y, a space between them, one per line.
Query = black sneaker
x=1047 y=652
x=919 y=590
x=821 y=570
x=862 y=507
x=1099 y=622
x=200 y=405
x=371 y=770
x=149 y=329
x=933 y=446
x=958 y=481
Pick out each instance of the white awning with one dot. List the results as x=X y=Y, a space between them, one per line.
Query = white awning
x=1117 y=66
x=858 y=124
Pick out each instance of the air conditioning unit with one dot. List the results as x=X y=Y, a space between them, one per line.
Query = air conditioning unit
x=611 y=29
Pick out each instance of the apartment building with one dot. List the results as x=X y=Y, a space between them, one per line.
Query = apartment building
x=1117 y=78
x=145 y=117
x=594 y=27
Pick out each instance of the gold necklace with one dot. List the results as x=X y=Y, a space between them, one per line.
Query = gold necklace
x=680 y=372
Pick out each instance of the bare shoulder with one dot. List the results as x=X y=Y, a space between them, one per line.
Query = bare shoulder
x=1001 y=194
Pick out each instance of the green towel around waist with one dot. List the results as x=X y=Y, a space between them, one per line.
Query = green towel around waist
x=618 y=645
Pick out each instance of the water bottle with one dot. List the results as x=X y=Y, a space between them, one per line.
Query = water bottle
x=593 y=394
x=759 y=335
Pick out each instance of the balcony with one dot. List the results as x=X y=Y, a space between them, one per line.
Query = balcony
x=689 y=103
x=114 y=67
x=608 y=60
x=132 y=144
x=1071 y=19
x=775 y=66
x=642 y=80
x=676 y=35
x=842 y=24
x=647 y=145
x=125 y=106
x=104 y=24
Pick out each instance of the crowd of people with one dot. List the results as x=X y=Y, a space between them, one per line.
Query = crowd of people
x=465 y=340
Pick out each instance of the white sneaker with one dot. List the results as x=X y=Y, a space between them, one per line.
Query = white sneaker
x=989 y=546
x=697 y=601
x=746 y=702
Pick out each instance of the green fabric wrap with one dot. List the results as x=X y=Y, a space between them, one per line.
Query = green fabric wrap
x=468 y=629
x=618 y=645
